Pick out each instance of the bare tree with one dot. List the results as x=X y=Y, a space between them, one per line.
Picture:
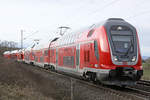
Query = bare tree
x=8 y=45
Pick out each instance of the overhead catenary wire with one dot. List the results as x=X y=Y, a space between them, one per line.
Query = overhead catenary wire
x=101 y=9
x=30 y=35
x=104 y=7
x=139 y=14
x=115 y=1
x=112 y=3
x=129 y=17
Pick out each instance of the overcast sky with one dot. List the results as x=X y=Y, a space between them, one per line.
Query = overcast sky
x=42 y=17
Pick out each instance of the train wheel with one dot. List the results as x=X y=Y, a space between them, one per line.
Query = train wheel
x=46 y=67
x=90 y=76
x=85 y=77
x=52 y=68
x=31 y=63
x=93 y=78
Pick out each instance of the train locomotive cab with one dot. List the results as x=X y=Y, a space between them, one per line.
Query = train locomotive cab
x=124 y=59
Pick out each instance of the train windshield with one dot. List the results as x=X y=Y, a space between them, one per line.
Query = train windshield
x=122 y=41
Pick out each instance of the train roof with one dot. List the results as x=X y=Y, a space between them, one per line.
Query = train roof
x=97 y=25
x=41 y=46
x=28 y=48
x=74 y=35
x=14 y=51
x=6 y=52
x=21 y=50
x=45 y=44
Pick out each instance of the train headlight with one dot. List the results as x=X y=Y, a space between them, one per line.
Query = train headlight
x=134 y=58
x=96 y=65
x=115 y=58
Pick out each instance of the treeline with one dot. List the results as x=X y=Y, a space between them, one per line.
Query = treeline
x=7 y=46
x=147 y=61
x=146 y=64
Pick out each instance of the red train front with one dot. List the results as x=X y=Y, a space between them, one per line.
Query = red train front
x=118 y=53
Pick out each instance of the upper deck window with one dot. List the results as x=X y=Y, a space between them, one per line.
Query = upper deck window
x=90 y=33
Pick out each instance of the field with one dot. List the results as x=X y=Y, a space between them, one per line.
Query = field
x=17 y=82
x=146 y=68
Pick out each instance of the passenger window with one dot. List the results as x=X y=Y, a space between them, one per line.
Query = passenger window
x=90 y=33
x=68 y=61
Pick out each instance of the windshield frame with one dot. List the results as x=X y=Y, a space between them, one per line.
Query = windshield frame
x=121 y=57
x=130 y=44
x=126 y=28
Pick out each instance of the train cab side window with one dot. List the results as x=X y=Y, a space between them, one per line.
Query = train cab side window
x=90 y=33
x=96 y=50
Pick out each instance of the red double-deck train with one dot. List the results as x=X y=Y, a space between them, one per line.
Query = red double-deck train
x=108 y=52
x=7 y=54
x=11 y=54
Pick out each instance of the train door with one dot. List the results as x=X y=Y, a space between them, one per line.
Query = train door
x=77 y=57
x=86 y=55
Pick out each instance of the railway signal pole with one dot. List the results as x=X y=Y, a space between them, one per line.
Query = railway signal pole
x=21 y=39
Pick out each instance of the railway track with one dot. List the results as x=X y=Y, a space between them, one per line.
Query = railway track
x=138 y=91
x=143 y=87
x=130 y=93
x=143 y=82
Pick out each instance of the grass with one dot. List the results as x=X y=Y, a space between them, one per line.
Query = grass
x=14 y=92
x=16 y=83
x=146 y=68
x=23 y=82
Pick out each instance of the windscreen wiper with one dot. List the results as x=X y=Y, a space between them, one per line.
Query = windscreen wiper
x=129 y=49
